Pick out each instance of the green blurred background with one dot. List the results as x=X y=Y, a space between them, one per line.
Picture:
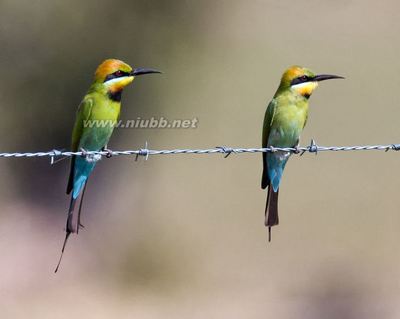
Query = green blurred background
x=183 y=236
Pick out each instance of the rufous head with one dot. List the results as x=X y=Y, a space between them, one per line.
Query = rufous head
x=302 y=80
x=116 y=74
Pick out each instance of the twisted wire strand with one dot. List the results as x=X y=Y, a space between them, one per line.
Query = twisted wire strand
x=312 y=148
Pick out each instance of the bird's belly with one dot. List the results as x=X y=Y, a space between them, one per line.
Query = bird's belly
x=95 y=138
x=100 y=127
x=287 y=136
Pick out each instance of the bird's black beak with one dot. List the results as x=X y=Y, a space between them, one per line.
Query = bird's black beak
x=323 y=77
x=140 y=71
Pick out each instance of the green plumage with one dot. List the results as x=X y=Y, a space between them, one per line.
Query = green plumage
x=95 y=120
x=284 y=121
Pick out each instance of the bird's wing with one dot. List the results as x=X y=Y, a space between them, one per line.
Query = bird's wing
x=305 y=120
x=268 y=119
x=83 y=113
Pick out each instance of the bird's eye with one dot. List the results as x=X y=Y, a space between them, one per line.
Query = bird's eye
x=118 y=73
x=304 y=78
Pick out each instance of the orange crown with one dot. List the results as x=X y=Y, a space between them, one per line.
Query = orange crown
x=110 y=66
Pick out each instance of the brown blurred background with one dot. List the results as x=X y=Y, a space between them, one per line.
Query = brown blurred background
x=183 y=236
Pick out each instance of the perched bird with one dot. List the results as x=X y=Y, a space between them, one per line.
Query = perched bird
x=284 y=121
x=97 y=115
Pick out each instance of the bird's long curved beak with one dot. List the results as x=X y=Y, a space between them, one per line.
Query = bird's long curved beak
x=140 y=71
x=323 y=77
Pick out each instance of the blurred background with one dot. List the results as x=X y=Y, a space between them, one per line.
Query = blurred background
x=184 y=236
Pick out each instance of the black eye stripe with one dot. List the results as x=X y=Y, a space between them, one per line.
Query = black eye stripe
x=300 y=79
x=116 y=74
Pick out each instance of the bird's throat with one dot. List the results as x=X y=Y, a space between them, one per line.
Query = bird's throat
x=305 y=89
x=115 y=95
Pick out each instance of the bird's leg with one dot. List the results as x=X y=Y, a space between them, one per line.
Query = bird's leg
x=296 y=147
x=83 y=151
x=109 y=152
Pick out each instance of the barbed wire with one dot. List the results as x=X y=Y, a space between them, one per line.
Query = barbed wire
x=57 y=155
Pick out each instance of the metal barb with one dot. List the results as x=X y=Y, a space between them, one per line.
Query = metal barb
x=92 y=156
x=55 y=153
x=143 y=152
x=396 y=147
x=226 y=150
x=313 y=147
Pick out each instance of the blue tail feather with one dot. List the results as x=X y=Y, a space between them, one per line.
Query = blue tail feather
x=83 y=168
x=276 y=165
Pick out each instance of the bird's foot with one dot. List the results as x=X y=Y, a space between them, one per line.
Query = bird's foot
x=90 y=157
x=296 y=149
x=108 y=151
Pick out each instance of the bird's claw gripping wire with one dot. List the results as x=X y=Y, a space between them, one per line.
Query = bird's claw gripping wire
x=297 y=150
x=108 y=151
x=89 y=156
x=272 y=149
x=83 y=152
x=226 y=150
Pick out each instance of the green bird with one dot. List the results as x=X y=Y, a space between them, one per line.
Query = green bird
x=284 y=121
x=96 y=118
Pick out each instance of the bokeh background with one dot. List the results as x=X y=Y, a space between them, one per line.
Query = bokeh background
x=183 y=236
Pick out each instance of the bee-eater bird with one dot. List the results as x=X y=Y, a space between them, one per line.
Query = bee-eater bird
x=284 y=121
x=97 y=115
